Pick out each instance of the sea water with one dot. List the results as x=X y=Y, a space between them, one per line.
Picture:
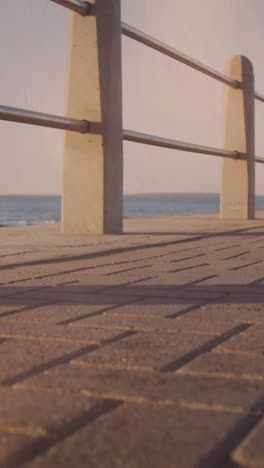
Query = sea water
x=19 y=210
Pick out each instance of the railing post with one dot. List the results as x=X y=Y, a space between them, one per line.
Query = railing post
x=238 y=176
x=93 y=164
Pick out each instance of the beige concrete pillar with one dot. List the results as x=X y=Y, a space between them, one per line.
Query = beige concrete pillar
x=93 y=164
x=238 y=176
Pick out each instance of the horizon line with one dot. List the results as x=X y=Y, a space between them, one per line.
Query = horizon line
x=134 y=193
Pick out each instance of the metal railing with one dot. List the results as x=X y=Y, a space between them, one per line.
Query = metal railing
x=143 y=138
x=83 y=126
x=13 y=114
x=259 y=97
x=149 y=41
x=259 y=159
x=155 y=44
x=85 y=8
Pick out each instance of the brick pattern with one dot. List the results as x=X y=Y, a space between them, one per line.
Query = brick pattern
x=133 y=351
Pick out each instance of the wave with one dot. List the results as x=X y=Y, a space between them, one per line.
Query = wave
x=24 y=222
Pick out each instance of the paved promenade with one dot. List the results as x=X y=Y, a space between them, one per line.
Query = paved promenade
x=144 y=350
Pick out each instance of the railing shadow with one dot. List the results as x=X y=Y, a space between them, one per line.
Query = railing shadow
x=100 y=294
x=192 y=237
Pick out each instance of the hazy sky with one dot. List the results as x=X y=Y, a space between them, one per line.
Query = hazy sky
x=160 y=95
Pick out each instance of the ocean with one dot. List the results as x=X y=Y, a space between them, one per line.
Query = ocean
x=22 y=210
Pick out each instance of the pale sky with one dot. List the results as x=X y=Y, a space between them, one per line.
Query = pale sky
x=160 y=95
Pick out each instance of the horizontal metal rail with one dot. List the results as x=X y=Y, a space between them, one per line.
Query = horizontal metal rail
x=258 y=159
x=178 y=145
x=83 y=8
x=149 y=41
x=259 y=97
x=12 y=114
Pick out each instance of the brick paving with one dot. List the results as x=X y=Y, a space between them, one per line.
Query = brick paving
x=133 y=351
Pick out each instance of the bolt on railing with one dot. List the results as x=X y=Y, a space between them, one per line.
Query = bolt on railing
x=96 y=206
